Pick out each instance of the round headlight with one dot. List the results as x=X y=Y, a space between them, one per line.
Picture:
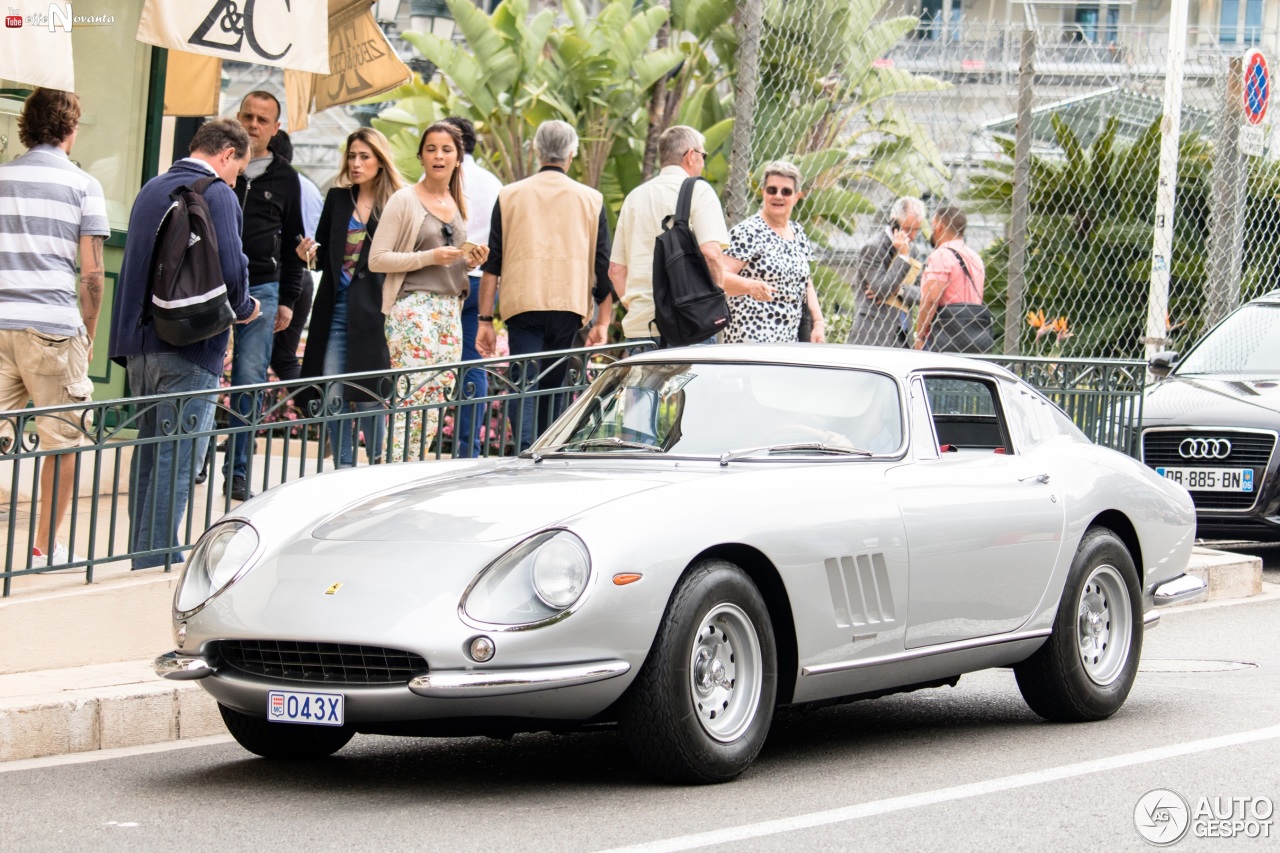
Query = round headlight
x=560 y=571
x=215 y=562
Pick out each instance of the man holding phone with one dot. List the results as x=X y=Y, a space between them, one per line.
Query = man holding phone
x=885 y=277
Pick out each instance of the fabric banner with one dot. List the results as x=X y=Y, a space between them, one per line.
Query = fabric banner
x=284 y=33
x=35 y=45
x=361 y=61
x=192 y=84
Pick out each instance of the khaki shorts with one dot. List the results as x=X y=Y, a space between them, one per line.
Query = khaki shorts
x=47 y=370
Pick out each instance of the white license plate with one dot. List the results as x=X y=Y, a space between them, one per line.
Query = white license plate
x=313 y=709
x=1210 y=479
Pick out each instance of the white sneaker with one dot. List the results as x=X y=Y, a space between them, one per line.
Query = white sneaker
x=61 y=556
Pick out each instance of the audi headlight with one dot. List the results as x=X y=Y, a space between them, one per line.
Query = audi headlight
x=537 y=580
x=217 y=561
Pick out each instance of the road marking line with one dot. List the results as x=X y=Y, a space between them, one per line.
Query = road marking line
x=108 y=754
x=942 y=795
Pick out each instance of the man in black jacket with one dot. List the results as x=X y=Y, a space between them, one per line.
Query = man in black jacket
x=270 y=196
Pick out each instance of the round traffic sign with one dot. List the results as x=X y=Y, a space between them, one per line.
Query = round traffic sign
x=1257 y=86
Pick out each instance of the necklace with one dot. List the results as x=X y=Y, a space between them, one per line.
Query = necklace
x=442 y=200
x=355 y=204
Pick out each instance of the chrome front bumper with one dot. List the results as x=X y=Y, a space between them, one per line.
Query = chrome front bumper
x=461 y=684
x=180 y=667
x=507 y=682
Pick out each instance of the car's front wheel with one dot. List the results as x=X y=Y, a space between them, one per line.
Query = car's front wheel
x=284 y=740
x=701 y=705
x=1084 y=671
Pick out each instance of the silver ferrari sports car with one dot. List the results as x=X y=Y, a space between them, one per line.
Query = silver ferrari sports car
x=705 y=535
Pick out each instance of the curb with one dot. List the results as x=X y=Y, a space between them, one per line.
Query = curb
x=113 y=706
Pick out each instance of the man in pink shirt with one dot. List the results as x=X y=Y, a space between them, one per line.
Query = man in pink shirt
x=953 y=274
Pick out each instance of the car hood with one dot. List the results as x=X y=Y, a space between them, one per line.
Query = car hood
x=1208 y=401
x=485 y=506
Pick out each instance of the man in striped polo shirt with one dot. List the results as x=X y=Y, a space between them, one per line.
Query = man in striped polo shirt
x=49 y=209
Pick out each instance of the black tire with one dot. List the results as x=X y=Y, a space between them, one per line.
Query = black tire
x=280 y=740
x=669 y=722
x=1084 y=671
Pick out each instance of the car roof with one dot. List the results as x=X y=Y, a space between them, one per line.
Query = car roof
x=1270 y=296
x=892 y=360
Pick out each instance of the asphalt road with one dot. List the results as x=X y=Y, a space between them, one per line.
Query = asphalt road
x=968 y=768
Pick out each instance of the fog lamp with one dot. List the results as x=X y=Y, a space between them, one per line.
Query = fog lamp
x=482 y=649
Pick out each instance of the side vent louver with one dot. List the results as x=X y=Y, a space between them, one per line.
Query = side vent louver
x=860 y=590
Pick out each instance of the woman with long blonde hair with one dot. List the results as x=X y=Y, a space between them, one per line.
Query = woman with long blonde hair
x=347 y=326
x=420 y=248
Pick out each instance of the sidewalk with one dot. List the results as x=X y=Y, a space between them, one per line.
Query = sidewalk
x=89 y=685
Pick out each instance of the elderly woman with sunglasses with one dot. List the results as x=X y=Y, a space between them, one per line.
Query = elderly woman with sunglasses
x=419 y=245
x=768 y=264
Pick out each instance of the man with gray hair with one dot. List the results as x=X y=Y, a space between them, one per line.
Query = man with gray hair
x=682 y=154
x=549 y=247
x=884 y=280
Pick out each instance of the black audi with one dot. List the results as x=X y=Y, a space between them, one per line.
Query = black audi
x=1211 y=422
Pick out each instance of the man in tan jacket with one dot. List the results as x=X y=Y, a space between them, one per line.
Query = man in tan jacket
x=549 y=246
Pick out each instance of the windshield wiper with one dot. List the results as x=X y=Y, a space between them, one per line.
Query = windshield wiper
x=814 y=446
x=585 y=443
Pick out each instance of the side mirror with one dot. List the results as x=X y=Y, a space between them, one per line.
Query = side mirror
x=1162 y=364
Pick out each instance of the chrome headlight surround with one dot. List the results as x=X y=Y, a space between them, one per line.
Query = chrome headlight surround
x=223 y=555
x=539 y=581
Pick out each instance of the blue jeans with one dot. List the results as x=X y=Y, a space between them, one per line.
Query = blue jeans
x=161 y=473
x=475 y=382
x=249 y=361
x=542 y=331
x=342 y=433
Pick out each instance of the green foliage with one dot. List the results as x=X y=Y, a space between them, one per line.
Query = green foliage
x=1089 y=233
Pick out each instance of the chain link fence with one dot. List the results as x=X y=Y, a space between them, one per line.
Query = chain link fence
x=872 y=105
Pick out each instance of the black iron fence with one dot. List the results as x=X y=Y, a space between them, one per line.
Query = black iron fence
x=492 y=407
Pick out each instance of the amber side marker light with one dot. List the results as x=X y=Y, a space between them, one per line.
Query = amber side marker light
x=623 y=580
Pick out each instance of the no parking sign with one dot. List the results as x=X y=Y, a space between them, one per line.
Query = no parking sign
x=1256 y=92
x=1255 y=95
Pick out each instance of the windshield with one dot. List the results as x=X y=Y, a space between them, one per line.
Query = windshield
x=1247 y=343
x=713 y=409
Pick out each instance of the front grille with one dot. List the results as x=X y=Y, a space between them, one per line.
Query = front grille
x=321 y=663
x=1248 y=450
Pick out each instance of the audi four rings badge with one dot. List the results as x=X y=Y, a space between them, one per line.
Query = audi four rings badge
x=1204 y=448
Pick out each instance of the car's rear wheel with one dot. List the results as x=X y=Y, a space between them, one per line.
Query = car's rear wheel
x=1084 y=671
x=700 y=707
x=283 y=740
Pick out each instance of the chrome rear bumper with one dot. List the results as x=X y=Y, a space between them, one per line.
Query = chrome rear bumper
x=1181 y=588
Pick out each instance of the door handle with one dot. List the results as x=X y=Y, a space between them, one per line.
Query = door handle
x=1039 y=478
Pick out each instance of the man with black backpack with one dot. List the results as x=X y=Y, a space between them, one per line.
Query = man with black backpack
x=682 y=154
x=162 y=472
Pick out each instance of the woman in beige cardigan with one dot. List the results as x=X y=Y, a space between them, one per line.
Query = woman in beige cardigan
x=418 y=246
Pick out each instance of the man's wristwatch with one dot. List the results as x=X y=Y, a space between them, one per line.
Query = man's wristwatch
x=485 y=319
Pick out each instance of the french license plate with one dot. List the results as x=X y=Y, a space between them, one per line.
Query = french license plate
x=1210 y=479
x=313 y=709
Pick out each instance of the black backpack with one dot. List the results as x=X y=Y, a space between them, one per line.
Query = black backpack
x=688 y=307
x=186 y=297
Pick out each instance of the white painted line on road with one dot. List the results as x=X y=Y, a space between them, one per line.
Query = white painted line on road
x=108 y=754
x=943 y=795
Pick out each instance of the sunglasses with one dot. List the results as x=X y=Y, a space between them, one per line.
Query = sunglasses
x=786 y=192
x=447 y=230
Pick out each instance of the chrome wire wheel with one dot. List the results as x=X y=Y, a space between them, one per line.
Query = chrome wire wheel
x=726 y=672
x=1104 y=629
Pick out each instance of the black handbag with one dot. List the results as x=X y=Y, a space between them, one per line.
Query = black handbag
x=962 y=326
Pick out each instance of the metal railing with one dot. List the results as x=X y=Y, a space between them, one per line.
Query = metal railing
x=294 y=429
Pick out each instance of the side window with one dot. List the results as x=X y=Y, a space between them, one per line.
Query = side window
x=966 y=414
x=1026 y=416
